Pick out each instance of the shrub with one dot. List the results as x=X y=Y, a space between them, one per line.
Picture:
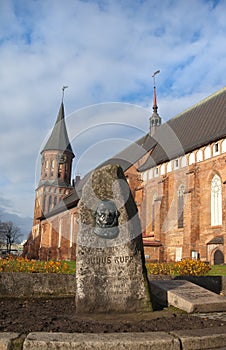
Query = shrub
x=184 y=267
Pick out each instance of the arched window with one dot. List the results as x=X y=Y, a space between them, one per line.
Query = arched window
x=153 y=213
x=216 y=201
x=180 y=207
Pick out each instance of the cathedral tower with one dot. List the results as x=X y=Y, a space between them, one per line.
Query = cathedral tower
x=55 y=179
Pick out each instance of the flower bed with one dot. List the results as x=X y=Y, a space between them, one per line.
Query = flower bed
x=184 y=267
x=19 y=264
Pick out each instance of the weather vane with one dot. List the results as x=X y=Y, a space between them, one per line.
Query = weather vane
x=153 y=76
x=63 y=88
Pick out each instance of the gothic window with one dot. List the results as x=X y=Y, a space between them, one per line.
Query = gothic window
x=153 y=213
x=180 y=207
x=216 y=201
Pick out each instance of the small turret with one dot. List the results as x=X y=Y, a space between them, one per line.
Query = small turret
x=155 y=119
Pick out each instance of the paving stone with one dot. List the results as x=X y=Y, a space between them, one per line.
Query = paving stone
x=187 y=296
x=111 y=341
x=196 y=339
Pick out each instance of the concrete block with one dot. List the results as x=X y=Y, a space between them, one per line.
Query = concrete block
x=6 y=340
x=187 y=296
x=101 y=341
x=196 y=339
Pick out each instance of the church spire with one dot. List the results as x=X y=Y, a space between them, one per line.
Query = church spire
x=56 y=168
x=59 y=139
x=155 y=119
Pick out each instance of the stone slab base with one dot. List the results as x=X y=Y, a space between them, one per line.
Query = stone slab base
x=187 y=296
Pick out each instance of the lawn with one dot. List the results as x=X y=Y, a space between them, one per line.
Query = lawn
x=217 y=270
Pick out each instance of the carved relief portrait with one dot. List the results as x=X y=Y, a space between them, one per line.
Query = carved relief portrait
x=106 y=220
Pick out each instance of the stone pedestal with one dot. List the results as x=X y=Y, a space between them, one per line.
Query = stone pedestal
x=110 y=267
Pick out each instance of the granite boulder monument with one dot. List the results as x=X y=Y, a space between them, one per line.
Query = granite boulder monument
x=110 y=265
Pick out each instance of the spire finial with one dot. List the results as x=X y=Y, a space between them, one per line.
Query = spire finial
x=155 y=107
x=63 y=88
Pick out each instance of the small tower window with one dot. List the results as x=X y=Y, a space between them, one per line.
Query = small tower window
x=216 y=149
x=156 y=172
x=60 y=170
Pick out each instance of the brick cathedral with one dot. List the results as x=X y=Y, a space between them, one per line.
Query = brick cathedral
x=177 y=175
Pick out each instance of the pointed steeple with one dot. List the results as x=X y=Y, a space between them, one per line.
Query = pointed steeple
x=155 y=119
x=59 y=139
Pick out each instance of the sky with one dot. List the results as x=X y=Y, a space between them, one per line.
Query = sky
x=105 y=52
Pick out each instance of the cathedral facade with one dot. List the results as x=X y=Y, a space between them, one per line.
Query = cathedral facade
x=177 y=175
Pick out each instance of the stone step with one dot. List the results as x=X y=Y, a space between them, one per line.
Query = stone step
x=199 y=339
x=86 y=341
x=186 y=296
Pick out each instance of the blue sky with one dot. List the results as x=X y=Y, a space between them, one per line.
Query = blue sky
x=105 y=51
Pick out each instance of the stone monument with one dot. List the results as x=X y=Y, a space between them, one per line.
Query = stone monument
x=110 y=266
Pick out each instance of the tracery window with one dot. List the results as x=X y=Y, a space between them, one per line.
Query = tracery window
x=180 y=207
x=216 y=201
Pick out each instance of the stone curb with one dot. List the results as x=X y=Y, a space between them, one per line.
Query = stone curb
x=197 y=339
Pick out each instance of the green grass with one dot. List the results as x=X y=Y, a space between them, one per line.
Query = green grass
x=217 y=270
x=71 y=265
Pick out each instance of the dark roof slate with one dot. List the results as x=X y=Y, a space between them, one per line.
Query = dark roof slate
x=59 y=139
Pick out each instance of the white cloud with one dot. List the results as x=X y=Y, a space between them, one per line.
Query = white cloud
x=105 y=51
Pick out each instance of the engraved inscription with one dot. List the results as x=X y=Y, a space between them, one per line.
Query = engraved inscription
x=104 y=260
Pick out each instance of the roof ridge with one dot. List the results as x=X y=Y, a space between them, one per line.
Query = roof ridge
x=200 y=102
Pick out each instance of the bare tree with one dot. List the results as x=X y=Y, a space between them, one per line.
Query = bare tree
x=9 y=234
